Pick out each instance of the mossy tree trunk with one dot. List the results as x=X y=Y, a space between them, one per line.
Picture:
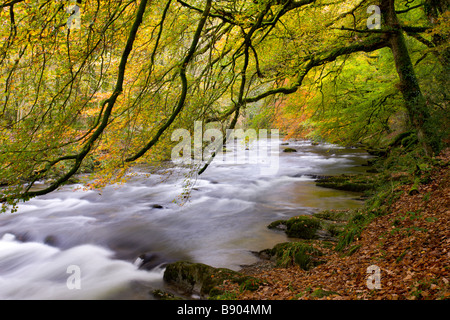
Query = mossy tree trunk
x=415 y=102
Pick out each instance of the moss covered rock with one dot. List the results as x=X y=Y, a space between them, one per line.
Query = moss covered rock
x=278 y=224
x=298 y=253
x=303 y=227
x=204 y=280
x=324 y=226
x=163 y=295
x=356 y=183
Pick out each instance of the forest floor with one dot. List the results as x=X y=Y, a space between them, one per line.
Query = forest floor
x=409 y=246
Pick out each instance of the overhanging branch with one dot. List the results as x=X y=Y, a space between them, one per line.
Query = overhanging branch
x=78 y=158
x=181 y=100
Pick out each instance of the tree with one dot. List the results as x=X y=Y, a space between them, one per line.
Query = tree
x=409 y=86
x=112 y=91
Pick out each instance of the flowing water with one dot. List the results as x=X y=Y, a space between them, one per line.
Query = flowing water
x=222 y=222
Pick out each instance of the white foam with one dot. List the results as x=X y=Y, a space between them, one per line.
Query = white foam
x=33 y=270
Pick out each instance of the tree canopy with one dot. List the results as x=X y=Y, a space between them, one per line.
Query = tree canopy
x=104 y=83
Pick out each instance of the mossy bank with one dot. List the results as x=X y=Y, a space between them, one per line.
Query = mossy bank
x=201 y=281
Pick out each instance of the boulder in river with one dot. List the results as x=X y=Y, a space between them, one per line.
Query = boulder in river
x=51 y=240
x=149 y=261
x=322 y=226
x=278 y=224
x=289 y=150
x=303 y=227
x=355 y=183
x=202 y=280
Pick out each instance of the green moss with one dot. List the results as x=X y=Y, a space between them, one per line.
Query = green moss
x=250 y=283
x=333 y=215
x=222 y=295
x=303 y=227
x=205 y=280
x=415 y=187
x=296 y=253
x=335 y=229
x=356 y=183
x=278 y=224
x=163 y=295
x=320 y=293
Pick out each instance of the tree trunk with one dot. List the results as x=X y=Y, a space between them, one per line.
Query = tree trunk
x=415 y=102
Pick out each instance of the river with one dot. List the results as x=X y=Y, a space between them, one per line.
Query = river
x=103 y=233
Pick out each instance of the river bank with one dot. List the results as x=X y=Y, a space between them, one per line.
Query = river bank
x=406 y=239
x=396 y=247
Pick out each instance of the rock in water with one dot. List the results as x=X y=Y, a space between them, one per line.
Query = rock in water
x=198 y=279
x=51 y=240
x=148 y=261
x=303 y=227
